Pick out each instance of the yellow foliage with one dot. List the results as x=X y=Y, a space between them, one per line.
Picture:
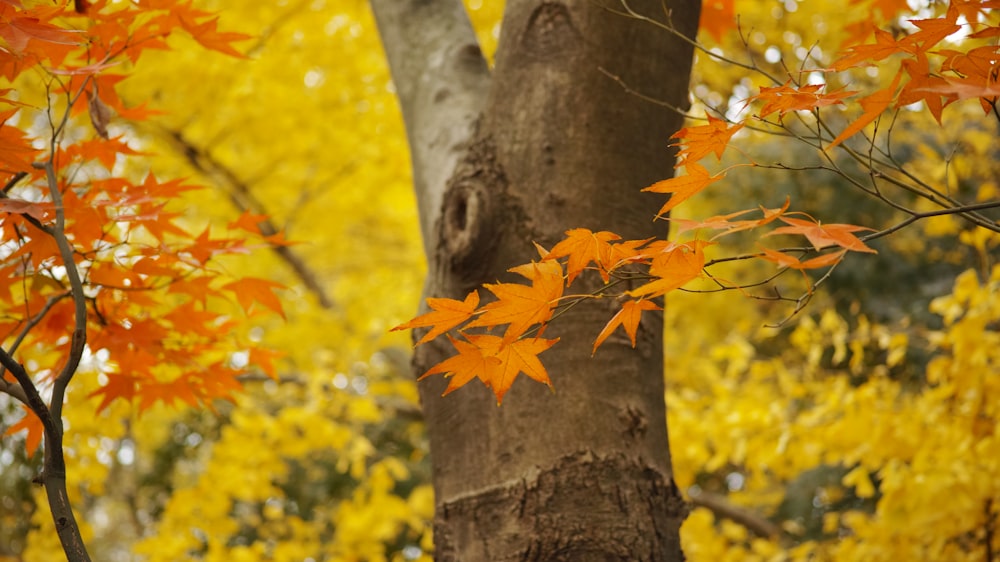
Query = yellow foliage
x=309 y=126
x=927 y=459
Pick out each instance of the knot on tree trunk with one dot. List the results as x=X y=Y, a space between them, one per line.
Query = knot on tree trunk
x=474 y=210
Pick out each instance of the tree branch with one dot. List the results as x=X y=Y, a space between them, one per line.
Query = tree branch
x=442 y=81
x=718 y=505
x=244 y=200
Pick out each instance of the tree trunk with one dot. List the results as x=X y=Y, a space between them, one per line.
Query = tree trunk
x=548 y=143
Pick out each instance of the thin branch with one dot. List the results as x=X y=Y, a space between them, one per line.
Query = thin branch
x=79 y=338
x=721 y=507
x=244 y=200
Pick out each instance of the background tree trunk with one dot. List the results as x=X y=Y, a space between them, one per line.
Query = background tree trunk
x=548 y=143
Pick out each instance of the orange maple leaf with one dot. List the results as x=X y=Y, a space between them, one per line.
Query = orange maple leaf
x=785 y=260
x=722 y=222
x=584 y=246
x=520 y=356
x=521 y=306
x=19 y=30
x=885 y=45
x=251 y=289
x=625 y=252
x=264 y=359
x=249 y=222
x=717 y=17
x=873 y=106
x=922 y=86
x=628 y=317
x=119 y=386
x=447 y=313
x=33 y=426
x=39 y=211
x=698 y=142
x=494 y=361
x=470 y=363
x=786 y=98
x=16 y=152
x=823 y=235
x=932 y=31
x=206 y=33
x=674 y=265
x=187 y=318
x=683 y=187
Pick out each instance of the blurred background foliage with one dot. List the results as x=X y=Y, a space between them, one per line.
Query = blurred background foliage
x=863 y=428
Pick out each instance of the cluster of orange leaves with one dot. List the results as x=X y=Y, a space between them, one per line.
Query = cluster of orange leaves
x=664 y=266
x=148 y=282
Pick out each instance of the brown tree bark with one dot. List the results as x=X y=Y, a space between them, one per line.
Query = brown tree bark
x=547 y=143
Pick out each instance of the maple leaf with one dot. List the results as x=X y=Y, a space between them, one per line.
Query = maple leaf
x=932 y=32
x=786 y=98
x=521 y=306
x=198 y=288
x=673 y=266
x=963 y=89
x=207 y=34
x=723 y=222
x=683 y=187
x=19 y=30
x=717 y=18
x=31 y=424
x=625 y=252
x=784 y=260
x=251 y=289
x=187 y=318
x=873 y=106
x=698 y=142
x=718 y=222
x=39 y=211
x=885 y=46
x=447 y=313
x=249 y=222
x=584 y=246
x=520 y=356
x=823 y=235
x=264 y=359
x=628 y=317
x=470 y=363
x=922 y=86
x=494 y=361
x=16 y=152
x=119 y=386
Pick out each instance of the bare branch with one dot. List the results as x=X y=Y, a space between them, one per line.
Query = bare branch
x=717 y=504
x=243 y=198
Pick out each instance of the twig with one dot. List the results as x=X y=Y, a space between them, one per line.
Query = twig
x=244 y=200
x=721 y=507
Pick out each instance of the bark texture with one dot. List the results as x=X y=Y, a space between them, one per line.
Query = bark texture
x=582 y=473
